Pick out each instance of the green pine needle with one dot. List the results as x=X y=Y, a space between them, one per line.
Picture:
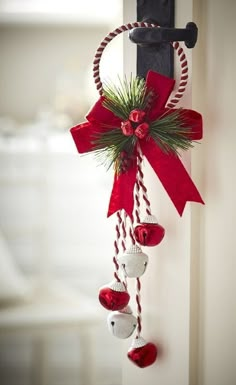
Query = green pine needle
x=170 y=132
x=111 y=144
x=127 y=96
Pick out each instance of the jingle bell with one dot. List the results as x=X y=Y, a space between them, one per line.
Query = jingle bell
x=122 y=323
x=142 y=353
x=149 y=232
x=133 y=262
x=114 y=296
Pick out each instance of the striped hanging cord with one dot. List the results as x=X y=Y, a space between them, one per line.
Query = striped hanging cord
x=139 y=308
x=131 y=230
x=137 y=201
x=141 y=181
x=116 y=246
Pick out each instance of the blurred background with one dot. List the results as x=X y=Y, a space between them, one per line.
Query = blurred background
x=56 y=244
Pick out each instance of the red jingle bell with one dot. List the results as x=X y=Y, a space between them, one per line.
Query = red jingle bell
x=149 y=232
x=114 y=296
x=137 y=116
x=141 y=353
x=127 y=128
x=142 y=130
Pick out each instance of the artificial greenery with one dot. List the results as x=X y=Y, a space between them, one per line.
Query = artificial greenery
x=114 y=148
x=123 y=98
x=169 y=132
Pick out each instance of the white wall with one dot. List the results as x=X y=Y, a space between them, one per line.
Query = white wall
x=46 y=65
x=51 y=211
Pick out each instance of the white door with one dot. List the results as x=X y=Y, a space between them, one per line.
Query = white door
x=188 y=291
x=214 y=86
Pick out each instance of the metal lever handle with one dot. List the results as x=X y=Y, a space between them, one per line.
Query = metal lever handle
x=152 y=36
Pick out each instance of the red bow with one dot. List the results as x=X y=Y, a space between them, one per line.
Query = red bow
x=168 y=167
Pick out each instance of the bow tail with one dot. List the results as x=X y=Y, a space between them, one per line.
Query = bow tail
x=172 y=174
x=122 y=195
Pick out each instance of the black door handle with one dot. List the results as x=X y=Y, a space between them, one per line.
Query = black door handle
x=153 y=51
x=152 y=36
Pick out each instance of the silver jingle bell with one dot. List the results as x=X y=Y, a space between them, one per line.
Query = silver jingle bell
x=122 y=324
x=133 y=262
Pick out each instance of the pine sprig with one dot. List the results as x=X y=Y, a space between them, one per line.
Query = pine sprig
x=170 y=132
x=127 y=96
x=111 y=145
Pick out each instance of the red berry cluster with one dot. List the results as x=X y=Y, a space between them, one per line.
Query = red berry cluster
x=135 y=125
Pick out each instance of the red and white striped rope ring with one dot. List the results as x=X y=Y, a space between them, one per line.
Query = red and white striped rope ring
x=126 y=27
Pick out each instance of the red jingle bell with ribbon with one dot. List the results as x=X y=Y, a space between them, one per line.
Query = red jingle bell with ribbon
x=114 y=296
x=149 y=232
x=133 y=120
x=141 y=353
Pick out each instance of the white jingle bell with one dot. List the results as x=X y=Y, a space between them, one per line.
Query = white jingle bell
x=133 y=262
x=122 y=323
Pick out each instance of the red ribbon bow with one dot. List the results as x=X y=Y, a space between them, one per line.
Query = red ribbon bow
x=168 y=167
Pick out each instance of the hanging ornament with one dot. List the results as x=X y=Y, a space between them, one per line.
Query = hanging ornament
x=141 y=353
x=122 y=323
x=149 y=232
x=130 y=121
x=114 y=296
x=133 y=262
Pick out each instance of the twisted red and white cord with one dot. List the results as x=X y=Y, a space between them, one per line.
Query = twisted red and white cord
x=138 y=286
x=127 y=27
x=123 y=229
x=141 y=181
x=137 y=201
x=184 y=75
x=120 y=240
x=131 y=231
x=139 y=308
x=116 y=246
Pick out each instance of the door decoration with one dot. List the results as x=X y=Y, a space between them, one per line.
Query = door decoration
x=133 y=120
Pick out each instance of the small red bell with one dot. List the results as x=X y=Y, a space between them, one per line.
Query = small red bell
x=149 y=232
x=142 y=130
x=142 y=353
x=127 y=128
x=114 y=296
x=137 y=116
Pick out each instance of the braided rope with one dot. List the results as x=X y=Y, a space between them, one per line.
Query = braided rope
x=124 y=233
x=116 y=246
x=184 y=75
x=139 y=308
x=131 y=230
x=137 y=201
x=123 y=240
x=127 y=27
x=141 y=181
